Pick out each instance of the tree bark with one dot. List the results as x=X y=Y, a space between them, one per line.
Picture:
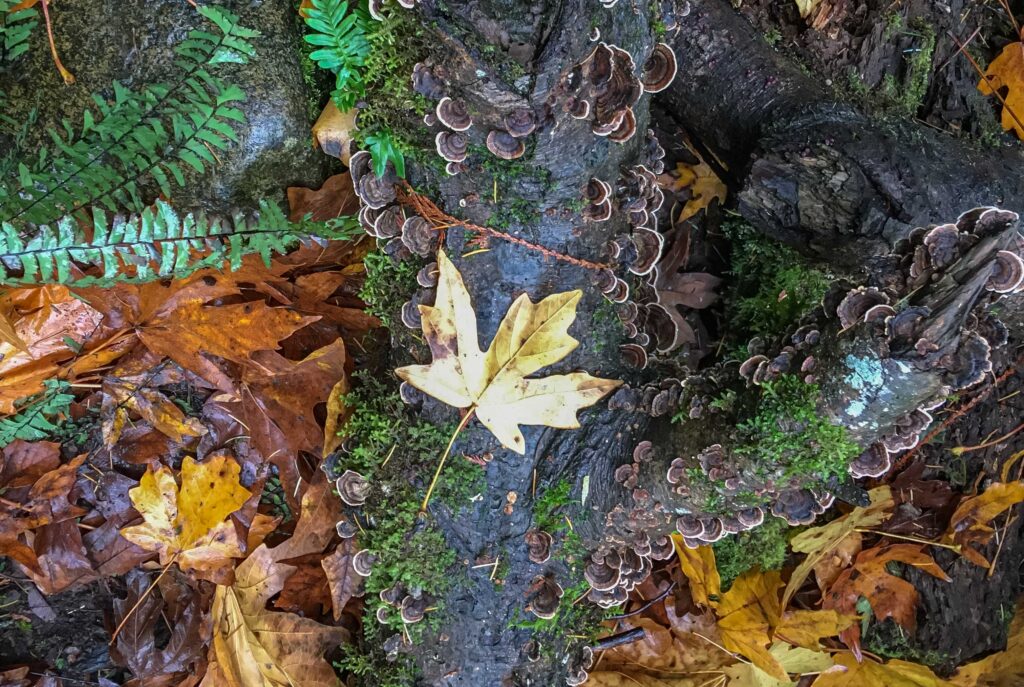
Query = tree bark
x=820 y=177
x=811 y=171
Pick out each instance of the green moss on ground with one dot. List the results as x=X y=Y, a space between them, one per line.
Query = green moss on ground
x=763 y=547
x=891 y=641
x=387 y=286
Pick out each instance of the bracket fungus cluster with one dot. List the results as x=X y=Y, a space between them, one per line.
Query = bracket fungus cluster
x=544 y=596
x=604 y=87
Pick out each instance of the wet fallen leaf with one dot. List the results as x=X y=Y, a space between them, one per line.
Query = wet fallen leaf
x=747 y=615
x=122 y=396
x=889 y=596
x=187 y=526
x=494 y=384
x=795 y=661
x=820 y=542
x=848 y=672
x=699 y=567
x=254 y=647
x=969 y=526
x=334 y=199
x=137 y=647
x=342 y=579
x=1006 y=74
x=61 y=556
x=805 y=628
x=702 y=183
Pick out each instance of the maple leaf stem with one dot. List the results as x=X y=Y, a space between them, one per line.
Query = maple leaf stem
x=135 y=606
x=951 y=547
x=444 y=456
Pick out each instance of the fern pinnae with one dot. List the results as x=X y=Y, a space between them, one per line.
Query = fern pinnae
x=32 y=420
x=130 y=131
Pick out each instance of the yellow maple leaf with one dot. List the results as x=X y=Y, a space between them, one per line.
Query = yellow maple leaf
x=849 y=673
x=699 y=567
x=187 y=526
x=1007 y=71
x=494 y=385
x=819 y=542
x=747 y=616
x=702 y=183
x=795 y=661
x=804 y=629
x=256 y=647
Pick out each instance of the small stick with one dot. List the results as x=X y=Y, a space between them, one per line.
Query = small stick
x=620 y=639
x=960 y=450
x=647 y=605
x=68 y=77
x=437 y=473
x=131 y=611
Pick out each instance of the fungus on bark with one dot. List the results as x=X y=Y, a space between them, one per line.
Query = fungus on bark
x=419 y=236
x=750 y=366
x=374 y=191
x=544 y=596
x=598 y=212
x=597 y=191
x=578 y=108
x=353 y=488
x=426 y=83
x=649 y=245
x=857 y=302
x=633 y=355
x=346 y=528
x=538 y=546
x=874 y=461
x=625 y=129
x=504 y=145
x=453 y=114
x=388 y=223
x=659 y=69
x=520 y=122
x=1007 y=274
x=362 y=563
x=414 y=608
x=453 y=147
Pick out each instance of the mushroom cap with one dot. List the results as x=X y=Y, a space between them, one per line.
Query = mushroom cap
x=626 y=128
x=362 y=563
x=662 y=549
x=411 y=316
x=904 y=324
x=419 y=236
x=597 y=191
x=633 y=355
x=878 y=313
x=993 y=221
x=649 y=245
x=750 y=365
x=374 y=191
x=659 y=69
x=857 y=302
x=620 y=293
x=676 y=471
x=601 y=576
x=520 y=122
x=382 y=615
x=623 y=473
x=428 y=275
x=872 y=462
x=943 y=244
x=453 y=168
x=973 y=361
x=611 y=598
x=578 y=108
x=410 y=395
x=750 y=517
x=546 y=595
x=713 y=530
x=599 y=212
x=504 y=145
x=797 y=507
x=538 y=544
x=605 y=280
x=359 y=164
x=426 y=83
x=346 y=528
x=413 y=608
x=453 y=114
x=600 y=65
x=690 y=526
x=388 y=223
x=1007 y=274
x=353 y=488
x=453 y=147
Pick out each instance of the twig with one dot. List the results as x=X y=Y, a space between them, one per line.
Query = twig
x=951 y=547
x=960 y=450
x=620 y=639
x=441 y=222
x=135 y=606
x=68 y=77
x=647 y=605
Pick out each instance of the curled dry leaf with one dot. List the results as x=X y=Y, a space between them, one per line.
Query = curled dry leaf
x=700 y=180
x=187 y=525
x=494 y=384
x=334 y=199
x=120 y=397
x=333 y=131
x=969 y=526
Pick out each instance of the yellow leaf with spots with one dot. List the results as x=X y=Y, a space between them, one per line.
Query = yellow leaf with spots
x=849 y=673
x=969 y=527
x=187 y=525
x=794 y=661
x=747 y=616
x=699 y=567
x=494 y=385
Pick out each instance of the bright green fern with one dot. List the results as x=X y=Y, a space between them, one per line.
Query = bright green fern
x=15 y=29
x=339 y=32
x=153 y=244
x=32 y=421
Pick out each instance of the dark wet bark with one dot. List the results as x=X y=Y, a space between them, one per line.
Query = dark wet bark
x=821 y=177
x=814 y=172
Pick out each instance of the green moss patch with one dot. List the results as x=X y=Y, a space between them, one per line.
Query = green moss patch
x=763 y=547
